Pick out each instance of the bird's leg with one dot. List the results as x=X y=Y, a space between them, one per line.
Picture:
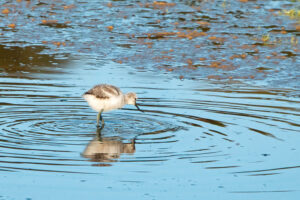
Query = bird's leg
x=99 y=117
x=98 y=136
x=102 y=121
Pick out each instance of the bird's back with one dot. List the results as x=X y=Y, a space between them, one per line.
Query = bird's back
x=104 y=97
x=104 y=91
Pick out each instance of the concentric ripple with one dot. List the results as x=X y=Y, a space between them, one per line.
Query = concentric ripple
x=47 y=132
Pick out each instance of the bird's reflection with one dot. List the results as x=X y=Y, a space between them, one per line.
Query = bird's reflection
x=107 y=149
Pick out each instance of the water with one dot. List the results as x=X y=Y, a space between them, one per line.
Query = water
x=228 y=40
x=199 y=138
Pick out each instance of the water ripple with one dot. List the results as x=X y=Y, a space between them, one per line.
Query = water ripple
x=40 y=128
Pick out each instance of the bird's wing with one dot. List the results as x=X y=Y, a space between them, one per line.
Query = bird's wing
x=104 y=91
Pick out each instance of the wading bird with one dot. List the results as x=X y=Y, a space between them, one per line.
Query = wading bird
x=104 y=98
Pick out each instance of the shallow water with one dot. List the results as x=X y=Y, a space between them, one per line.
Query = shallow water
x=204 y=139
x=253 y=41
x=198 y=137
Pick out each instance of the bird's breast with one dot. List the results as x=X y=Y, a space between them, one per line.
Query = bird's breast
x=113 y=103
x=105 y=104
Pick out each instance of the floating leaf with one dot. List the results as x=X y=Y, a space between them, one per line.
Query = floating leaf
x=69 y=7
x=5 y=11
x=109 y=4
x=44 y=21
x=110 y=28
x=11 y=25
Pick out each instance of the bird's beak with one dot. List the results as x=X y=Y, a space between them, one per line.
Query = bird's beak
x=138 y=107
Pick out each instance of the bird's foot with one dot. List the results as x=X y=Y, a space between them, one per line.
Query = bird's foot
x=100 y=127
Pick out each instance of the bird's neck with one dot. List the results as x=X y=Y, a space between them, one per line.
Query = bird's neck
x=126 y=98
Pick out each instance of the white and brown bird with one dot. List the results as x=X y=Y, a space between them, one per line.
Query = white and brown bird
x=105 y=97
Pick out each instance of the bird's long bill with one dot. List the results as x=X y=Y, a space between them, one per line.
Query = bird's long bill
x=138 y=107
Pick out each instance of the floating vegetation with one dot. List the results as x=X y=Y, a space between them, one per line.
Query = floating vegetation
x=292 y=13
x=207 y=38
x=265 y=38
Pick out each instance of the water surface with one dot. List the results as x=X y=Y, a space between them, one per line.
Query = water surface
x=210 y=130
x=227 y=140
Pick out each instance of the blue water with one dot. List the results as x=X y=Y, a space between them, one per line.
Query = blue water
x=195 y=140
x=207 y=132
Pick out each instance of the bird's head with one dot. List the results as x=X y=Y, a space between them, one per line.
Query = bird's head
x=130 y=98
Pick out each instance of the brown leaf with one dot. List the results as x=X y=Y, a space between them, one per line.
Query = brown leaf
x=50 y=21
x=109 y=4
x=203 y=23
x=110 y=28
x=69 y=7
x=5 y=11
x=11 y=25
